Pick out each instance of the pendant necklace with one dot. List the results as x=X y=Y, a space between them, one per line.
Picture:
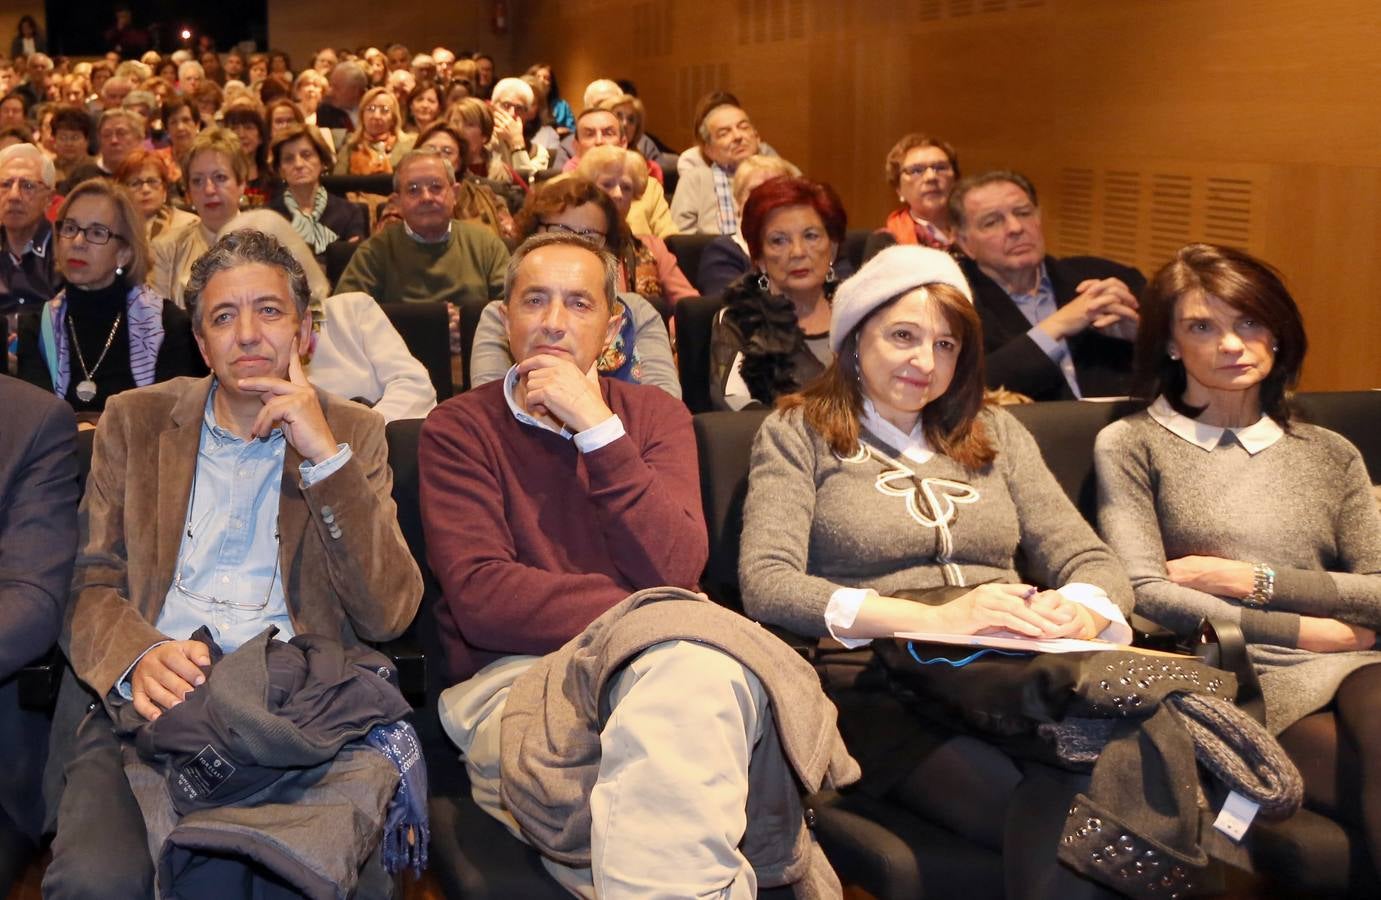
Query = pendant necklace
x=86 y=388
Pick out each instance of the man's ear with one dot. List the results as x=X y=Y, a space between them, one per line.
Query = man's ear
x=304 y=333
x=611 y=331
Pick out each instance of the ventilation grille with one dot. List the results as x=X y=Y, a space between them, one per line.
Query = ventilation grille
x=652 y=29
x=771 y=21
x=694 y=82
x=1144 y=217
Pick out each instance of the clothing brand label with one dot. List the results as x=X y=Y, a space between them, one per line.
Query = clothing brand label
x=206 y=772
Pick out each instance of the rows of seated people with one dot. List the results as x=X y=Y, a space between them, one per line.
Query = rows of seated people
x=647 y=741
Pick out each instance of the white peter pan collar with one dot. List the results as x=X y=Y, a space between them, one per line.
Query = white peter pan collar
x=1253 y=438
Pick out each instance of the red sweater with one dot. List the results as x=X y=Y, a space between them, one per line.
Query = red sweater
x=531 y=540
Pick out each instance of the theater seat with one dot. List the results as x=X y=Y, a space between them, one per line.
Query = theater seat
x=336 y=258
x=694 y=325
x=687 y=249
x=424 y=327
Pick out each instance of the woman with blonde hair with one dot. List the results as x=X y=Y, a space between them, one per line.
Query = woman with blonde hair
x=379 y=143
x=105 y=332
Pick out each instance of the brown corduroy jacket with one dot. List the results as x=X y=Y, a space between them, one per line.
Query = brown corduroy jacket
x=346 y=570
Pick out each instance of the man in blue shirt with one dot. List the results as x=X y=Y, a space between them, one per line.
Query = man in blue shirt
x=1053 y=329
x=235 y=502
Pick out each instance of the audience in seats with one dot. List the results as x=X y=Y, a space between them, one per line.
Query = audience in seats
x=429 y=256
x=772 y=336
x=245 y=119
x=38 y=538
x=893 y=448
x=922 y=171
x=26 y=260
x=1226 y=506
x=512 y=98
x=423 y=106
x=105 y=331
x=354 y=351
x=71 y=145
x=477 y=199
x=647 y=267
x=180 y=125
x=635 y=347
x=318 y=216
x=213 y=178
x=472 y=118
x=118 y=134
x=148 y=175
x=307 y=474
x=547 y=497
x=1053 y=329
x=725 y=136
x=599 y=127
x=725 y=258
x=596 y=92
x=341 y=108
x=379 y=142
x=554 y=110
x=281 y=115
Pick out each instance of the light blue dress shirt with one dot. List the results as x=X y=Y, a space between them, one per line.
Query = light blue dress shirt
x=232 y=553
x=1037 y=306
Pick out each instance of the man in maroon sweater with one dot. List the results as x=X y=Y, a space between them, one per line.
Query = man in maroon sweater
x=548 y=497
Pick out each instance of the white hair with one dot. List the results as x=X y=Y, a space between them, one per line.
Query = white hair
x=422 y=59
x=514 y=86
x=191 y=67
x=47 y=172
x=281 y=230
x=598 y=89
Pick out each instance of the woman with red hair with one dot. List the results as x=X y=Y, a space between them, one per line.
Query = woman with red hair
x=773 y=333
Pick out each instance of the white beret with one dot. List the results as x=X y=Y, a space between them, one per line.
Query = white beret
x=888 y=275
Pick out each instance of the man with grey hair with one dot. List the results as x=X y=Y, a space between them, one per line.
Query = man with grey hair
x=39 y=72
x=596 y=91
x=444 y=60
x=114 y=91
x=231 y=503
x=430 y=255
x=347 y=85
x=548 y=497
x=27 y=275
x=725 y=137
x=190 y=76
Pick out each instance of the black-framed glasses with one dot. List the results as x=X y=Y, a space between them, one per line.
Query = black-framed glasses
x=585 y=234
x=95 y=233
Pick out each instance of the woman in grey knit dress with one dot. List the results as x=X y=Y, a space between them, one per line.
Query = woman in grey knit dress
x=1223 y=506
x=889 y=472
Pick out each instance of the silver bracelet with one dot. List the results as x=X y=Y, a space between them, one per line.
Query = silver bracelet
x=1263 y=586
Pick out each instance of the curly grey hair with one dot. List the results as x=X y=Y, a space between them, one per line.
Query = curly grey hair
x=242 y=248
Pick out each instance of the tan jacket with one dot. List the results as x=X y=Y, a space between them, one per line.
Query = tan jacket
x=351 y=578
x=650 y=214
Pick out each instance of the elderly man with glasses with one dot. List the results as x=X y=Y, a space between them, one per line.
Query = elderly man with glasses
x=216 y=509
x=26 y=261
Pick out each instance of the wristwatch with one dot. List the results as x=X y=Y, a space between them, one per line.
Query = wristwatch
x=1263 y=586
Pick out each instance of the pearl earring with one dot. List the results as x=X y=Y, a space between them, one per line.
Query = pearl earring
x=1172 y=354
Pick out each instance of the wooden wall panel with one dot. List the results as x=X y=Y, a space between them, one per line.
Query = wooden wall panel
x=1145 y=123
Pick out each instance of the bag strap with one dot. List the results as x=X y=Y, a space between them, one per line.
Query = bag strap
x=1222 y=645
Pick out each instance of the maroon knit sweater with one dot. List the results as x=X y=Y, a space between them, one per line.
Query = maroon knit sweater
x=531 y=540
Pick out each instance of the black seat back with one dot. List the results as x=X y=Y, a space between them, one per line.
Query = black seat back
x=687 y=249
x=337 y=257
x=724 y=445
x=425 y=328
x=694 y=325
x=1064 y=430
x=1356 y=415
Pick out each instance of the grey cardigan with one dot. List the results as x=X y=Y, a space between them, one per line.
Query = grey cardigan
x=551 y=734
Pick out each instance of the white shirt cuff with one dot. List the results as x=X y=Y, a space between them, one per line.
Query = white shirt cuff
x=311 y=474
x=1096 y=599
x=601 y=435
x=843 y=609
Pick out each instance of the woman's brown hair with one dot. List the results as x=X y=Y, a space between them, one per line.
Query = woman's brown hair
x=1241 y=281
x=832 y=403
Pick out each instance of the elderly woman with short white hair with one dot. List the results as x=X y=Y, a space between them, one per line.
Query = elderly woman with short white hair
x=355 y=352
x=509 y=105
